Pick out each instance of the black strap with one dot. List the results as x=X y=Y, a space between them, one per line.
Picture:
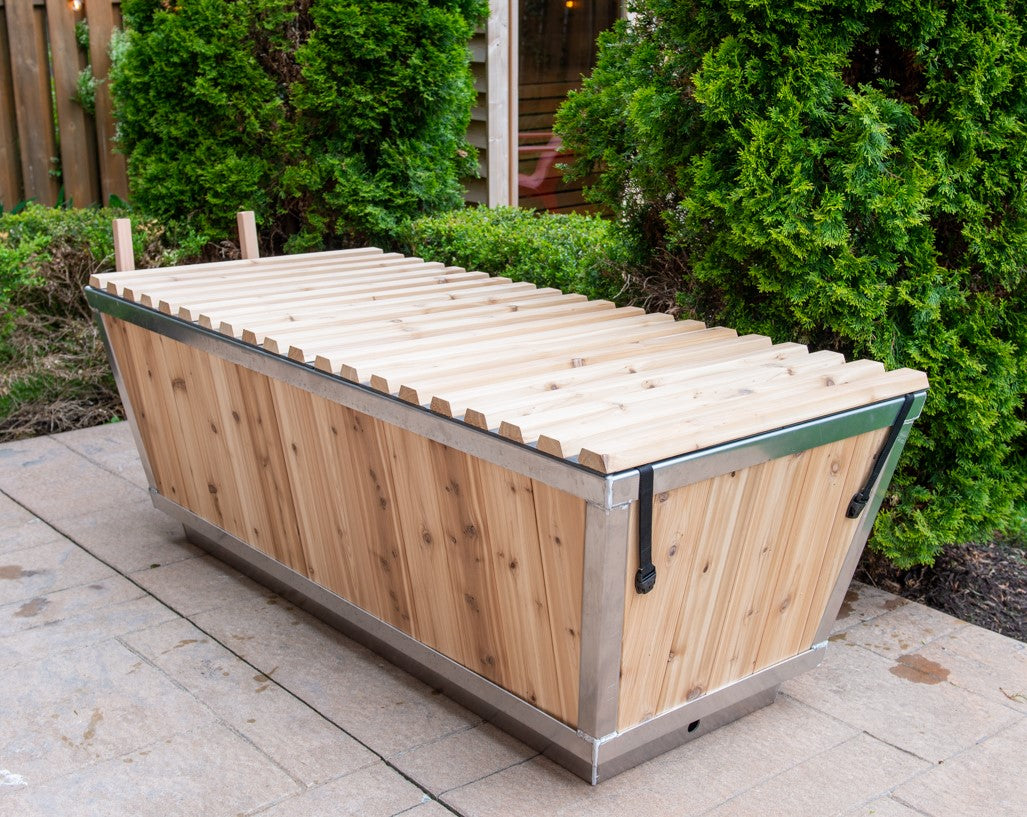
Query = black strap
x=645 y=578
x=860 y=500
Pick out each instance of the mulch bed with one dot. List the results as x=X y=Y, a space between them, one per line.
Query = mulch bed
x=985 y=584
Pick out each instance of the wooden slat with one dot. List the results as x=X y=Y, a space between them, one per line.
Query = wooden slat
x=431 y=324
x=294 y=278
x=627 y=394
x=10 y=163
x=79 y=170
x=379 y=351
x=26 y=31
x=329 y=311
x=416 y=318
x=530 y=387
x=251 y=271
x=113 y=171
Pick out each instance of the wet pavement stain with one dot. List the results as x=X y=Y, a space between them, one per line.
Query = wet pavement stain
x=94 y=721
x=851 y=597
x=914 y=667
x=32 y=608
x=16 y=572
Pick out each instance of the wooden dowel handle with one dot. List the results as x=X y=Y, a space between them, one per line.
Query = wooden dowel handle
x=247 y=234
x=123 y=257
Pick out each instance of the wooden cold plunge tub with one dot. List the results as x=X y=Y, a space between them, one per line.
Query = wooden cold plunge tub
x=468 y=474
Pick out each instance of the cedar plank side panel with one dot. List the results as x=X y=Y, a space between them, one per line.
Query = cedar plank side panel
x=475 y=561
x=744 y=561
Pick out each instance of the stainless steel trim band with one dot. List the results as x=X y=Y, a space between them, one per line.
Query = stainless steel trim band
x=608 y=491
x=582 y=753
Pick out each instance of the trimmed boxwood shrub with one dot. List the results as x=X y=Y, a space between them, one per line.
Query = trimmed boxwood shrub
x=335 y=121
x=572 y=252
x=851 y=175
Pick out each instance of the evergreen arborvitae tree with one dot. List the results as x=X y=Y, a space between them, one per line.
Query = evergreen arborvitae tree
x=851 y=175
x=334 y=120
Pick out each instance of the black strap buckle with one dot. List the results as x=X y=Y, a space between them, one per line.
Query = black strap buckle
x=645 y=578
x=860 y=500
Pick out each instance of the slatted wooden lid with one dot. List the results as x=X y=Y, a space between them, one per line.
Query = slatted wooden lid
x=611 y=388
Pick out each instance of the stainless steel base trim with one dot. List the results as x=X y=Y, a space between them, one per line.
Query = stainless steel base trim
x=609 y=764
x=401 y=649
x=641 y=741
x=575 y=750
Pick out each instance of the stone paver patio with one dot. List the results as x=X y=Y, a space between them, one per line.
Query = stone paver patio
x=139 y=677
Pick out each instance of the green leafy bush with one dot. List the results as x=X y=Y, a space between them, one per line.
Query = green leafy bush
x=575 y=253
x=334 y=121
x=54 y=374
x=851 y=175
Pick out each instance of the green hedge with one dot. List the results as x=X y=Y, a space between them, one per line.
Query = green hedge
x=54 y=374
x=575 y=253
x=852 y=175
x=334 y=121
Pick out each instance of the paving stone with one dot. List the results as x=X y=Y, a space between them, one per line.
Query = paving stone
x=309 y=747
x=862 y=603
x=380 y=705
x=884 y=807
x=20 y=530
x=45 y=568
x=462 y=758
x=15 y=456
x=984 y=662
x=130 y=537
x=52 y=609
x=12 y=514
x=686 y=781
x=905 y=629
x=55 y=482
x=76 y=618
x=905 y=702
x=988 y=780
x=376 y=791
x=828 y=784
x=192 y=586
x=111 y=446
x=66 y=711
x=210 y=772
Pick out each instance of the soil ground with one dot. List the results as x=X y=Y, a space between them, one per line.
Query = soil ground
x=985 y=584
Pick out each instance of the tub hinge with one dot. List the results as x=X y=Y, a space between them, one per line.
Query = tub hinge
x=860 y=500
x=645 y=578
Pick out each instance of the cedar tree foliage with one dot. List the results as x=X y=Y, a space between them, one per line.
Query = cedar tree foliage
x=335 y=121
x=851 y=175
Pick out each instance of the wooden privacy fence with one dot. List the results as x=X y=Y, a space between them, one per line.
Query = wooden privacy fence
x=48 y=141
